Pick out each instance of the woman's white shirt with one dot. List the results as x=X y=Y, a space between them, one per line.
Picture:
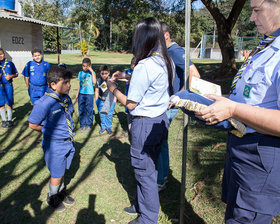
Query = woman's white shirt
x=149 y=87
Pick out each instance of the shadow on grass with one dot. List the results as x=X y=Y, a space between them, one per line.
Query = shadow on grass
x=88 y=215
x=15 y=207
x=170 y=203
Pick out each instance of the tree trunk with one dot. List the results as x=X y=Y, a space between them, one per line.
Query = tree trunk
x=228 y=67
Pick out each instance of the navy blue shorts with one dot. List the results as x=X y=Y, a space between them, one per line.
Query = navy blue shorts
x=6 y=94
x=58 y=155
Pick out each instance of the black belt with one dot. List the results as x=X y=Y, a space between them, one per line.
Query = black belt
x=254 y=133
x=138 y=117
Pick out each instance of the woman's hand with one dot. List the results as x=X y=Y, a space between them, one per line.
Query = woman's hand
x=222 y=109
x=111 y=85
x=118 y=75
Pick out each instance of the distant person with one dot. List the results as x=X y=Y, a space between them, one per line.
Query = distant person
x=147 y=100
x=102 y=94
x=246 y=54
x=35 y=75
x=177 y=53
x=8 y=71
x=52 y=115
x=126 y=76
x=85 y=94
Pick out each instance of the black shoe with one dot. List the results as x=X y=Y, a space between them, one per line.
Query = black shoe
x=65 y=198
x=134 y=221
x=55 y=202
x=4 y=124
x=131 y=210
x=10 y=123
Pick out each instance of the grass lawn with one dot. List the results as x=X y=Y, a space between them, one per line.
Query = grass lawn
x=101 y=178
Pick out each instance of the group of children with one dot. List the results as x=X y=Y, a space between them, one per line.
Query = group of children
x=48 y=88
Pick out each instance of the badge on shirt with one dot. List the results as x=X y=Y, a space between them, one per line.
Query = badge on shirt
x=103 y=86
x=247 y=90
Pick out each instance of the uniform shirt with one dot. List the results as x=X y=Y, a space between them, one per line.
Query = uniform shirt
x=86 y=85
x=37 y=73
x=177 y=54
x=51 y=115
x=260 y=81
x=10 y=69
x=102 y=86
x=149 y=87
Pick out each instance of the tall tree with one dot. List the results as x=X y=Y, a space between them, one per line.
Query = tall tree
x=224 y=28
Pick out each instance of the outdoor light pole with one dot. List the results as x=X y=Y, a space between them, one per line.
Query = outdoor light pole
x=185 y=117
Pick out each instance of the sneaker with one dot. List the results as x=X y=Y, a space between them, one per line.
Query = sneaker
x=109 y=131
x=55 y=202
x=65 y=198
x=4 y=124
x=10 y=123
x=131 y=210
x=102 y=131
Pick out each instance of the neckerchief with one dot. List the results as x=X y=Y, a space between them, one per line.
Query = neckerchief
x=3 y=68
x=171 y=43
x=64 y=104
x=265 y=42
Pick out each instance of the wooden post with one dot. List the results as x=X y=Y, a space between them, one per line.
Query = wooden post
x=185 y=117
x=57 y=42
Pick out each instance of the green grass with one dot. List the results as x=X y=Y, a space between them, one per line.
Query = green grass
x=101 y=178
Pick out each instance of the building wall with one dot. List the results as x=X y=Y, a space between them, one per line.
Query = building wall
x=18 y=38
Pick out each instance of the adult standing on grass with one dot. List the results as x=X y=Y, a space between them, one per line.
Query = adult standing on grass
x=147 y=100
x=177 y=53
x=251 y=183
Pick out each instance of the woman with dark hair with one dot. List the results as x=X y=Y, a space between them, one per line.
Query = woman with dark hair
x=147 y=101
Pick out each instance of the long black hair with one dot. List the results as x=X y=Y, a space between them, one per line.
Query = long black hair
x=148 y=37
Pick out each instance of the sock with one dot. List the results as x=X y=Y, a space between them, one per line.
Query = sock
x=53 y=189
x=3 y=114
x=10 y=114
x=61 y=186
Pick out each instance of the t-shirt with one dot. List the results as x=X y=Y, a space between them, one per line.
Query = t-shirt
x=177 y=54
x=37 y=73
x=10 y=69
x=86 y=85
x=102 y=86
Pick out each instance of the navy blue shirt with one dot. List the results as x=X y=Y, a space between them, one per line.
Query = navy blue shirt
x=37 y=73
x=10 y=69
x=177 y=54
x=51 y=115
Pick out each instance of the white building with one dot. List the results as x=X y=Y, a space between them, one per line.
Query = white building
x=19 y=35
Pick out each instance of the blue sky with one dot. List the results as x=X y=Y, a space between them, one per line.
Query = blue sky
x=198 y=5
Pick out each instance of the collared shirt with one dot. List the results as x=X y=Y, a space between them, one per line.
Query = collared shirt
x=177 y=54
x=37 y=73
x=149 y=87
x=260 y=81
x=86 y=85
x=10 y=69
x=51 y=115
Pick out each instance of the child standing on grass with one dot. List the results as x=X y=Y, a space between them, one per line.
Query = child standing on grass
x=85 y=94
x=8 y=71
x=101 y=93
x=51 y=115
x=35 y=75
